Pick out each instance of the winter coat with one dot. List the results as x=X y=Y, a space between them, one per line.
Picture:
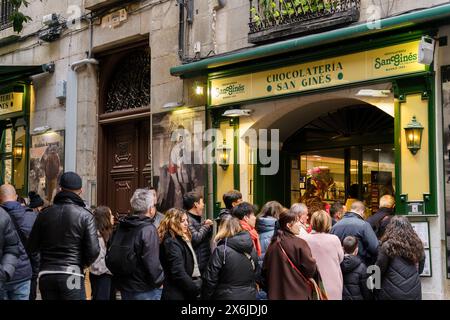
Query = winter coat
x=326 y=249
x=178 y=263
x=355 y=276
x=201 y=240
x=65 y=235
x=232 y=270
x=400 y=278
x=24 y=218
x=266 y=228
x=9 y=249
x=354 y=225
x=380 y=220
x=149 y=273
x=280 y=280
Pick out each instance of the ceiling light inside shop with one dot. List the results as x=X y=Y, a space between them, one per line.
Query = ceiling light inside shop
x=373 y=93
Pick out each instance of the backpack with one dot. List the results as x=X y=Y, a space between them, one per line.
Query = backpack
x=121 y=258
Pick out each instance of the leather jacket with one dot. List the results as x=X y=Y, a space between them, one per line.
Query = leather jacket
x=65 y=235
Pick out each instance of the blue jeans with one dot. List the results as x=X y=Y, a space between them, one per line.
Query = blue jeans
x=154 y=294
x=17 y=290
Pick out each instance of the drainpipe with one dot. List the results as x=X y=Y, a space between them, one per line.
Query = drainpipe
x=70 y=161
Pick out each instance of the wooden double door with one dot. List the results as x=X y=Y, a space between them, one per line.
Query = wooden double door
x=126 y=163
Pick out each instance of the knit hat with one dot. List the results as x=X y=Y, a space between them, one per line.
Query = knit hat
x=70 y=181
x=35 y=200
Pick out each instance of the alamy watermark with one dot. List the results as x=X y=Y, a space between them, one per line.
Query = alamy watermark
x=204 y=146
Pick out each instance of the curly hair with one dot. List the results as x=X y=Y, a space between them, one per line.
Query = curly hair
x=171 y=224
x=400 y=240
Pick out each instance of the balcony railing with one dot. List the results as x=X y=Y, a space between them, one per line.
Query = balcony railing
x=276 y=19
x=5 y=13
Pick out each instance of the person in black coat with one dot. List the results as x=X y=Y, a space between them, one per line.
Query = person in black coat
x=354 y=272
x=382 y=217
x=138 y=232
x=9 y=250
x=65 y=235
x=182 y=275
x=201 y=231
x=233 y=268
x=23 y=218
x=401 y=260
x=353 y=224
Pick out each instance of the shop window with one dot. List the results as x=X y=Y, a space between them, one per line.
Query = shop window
x=13 y=158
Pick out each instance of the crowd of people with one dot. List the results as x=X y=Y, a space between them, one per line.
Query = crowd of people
x=295 y=253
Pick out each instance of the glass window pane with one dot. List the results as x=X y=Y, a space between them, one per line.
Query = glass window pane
x=8 y=140
x=20 y=162
x=8 y=171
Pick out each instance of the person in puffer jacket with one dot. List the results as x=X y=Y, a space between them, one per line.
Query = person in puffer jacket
x=266 y=223
x=401 y=259
x=354 y=272
x=233 y=269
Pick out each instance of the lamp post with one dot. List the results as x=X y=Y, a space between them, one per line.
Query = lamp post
x=413 y=132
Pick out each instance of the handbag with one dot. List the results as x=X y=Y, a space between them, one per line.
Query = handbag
x=317 y=287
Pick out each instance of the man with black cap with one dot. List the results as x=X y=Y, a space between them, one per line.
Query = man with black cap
x=65 y=235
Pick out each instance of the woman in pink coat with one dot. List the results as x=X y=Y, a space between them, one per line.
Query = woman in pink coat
x=327 y=250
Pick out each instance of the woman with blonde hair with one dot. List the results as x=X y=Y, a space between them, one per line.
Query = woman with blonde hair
x=327 y=251
x=182 y=276
x=232 y=270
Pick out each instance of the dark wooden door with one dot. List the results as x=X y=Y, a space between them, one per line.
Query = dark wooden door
x=128 y=163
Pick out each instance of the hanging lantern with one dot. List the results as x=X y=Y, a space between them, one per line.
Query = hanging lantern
x=18 y=151
x=413 y=133
x=223 y=153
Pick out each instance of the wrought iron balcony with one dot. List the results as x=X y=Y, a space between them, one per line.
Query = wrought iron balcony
x=278 y=19
x=5 y=14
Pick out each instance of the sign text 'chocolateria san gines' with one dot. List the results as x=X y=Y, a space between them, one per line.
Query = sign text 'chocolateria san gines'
x=369 y=65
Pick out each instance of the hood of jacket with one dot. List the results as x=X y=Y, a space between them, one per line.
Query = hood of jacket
x=241 y=242
x=134 y=221
x=350 y=263
x=265 y=224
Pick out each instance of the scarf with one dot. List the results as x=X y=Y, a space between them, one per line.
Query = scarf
x=62 y=196
x=253 y=235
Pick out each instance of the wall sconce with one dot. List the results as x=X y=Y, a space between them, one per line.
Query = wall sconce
x=199 y=88
x=18 y=151
x=413 y=133
x=224 y=155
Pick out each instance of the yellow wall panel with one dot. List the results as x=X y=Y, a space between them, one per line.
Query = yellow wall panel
x=415 y=180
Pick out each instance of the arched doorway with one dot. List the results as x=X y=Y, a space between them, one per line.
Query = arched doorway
x=345 y=153
x=124 y=162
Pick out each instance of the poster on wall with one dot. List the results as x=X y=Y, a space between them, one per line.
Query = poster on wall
x=446 y=130
x=46 y=163
x=178 y=165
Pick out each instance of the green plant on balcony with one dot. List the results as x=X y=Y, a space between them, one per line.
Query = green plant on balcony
x=18 y=18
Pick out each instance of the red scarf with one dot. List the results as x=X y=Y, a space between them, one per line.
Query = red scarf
x=253 y=234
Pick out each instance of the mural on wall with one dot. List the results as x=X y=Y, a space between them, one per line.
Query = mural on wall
x=46 y=163
x=177 y=156
x=446 y=129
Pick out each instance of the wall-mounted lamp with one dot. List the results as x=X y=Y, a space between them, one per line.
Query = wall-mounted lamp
x=413 y=132
x=237 y=113
x=223 y=152
x=199 y=88
x=18 y=151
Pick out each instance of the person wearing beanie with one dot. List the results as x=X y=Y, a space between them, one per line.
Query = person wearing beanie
x=36 y=202
x=65 y=235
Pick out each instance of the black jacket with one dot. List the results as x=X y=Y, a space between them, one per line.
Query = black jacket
x=178 y=264
x=24 y=218
x=9 y=249
x=355 y=275
x=353 y=225
x=232 y=270
x=380 y=220
x=65 y=235
x=201 y=240
x=400 y=278
x=149 y=274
